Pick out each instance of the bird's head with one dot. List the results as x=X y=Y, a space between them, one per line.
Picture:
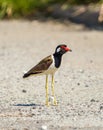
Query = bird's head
x=61 y=49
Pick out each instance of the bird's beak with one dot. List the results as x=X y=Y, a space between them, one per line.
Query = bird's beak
x=68 y=49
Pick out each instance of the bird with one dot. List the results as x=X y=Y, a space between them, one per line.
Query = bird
x=48 y=66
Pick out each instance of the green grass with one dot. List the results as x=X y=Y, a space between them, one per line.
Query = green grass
x=22 y=8
x=15 y=8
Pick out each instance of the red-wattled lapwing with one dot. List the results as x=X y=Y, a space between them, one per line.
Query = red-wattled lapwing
x=49 y=65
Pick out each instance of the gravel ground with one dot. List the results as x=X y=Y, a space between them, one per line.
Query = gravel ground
x=78 y=83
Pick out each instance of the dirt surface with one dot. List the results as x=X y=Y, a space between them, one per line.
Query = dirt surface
x=78 y=83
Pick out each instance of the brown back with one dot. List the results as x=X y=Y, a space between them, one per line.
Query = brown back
x=42 y=66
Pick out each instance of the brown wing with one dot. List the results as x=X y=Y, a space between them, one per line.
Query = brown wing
x=40 y=67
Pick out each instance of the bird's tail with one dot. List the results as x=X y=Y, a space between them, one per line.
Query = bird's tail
x=26 y=75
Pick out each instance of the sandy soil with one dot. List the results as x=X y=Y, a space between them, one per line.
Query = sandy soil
x=78 y=83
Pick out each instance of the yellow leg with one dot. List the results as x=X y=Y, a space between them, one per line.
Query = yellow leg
x=46 y=87
x=52 y=85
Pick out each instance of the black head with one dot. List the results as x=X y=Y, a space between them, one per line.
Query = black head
x=61 y=49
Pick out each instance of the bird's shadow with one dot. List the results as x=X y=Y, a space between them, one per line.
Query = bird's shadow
x=27 y=105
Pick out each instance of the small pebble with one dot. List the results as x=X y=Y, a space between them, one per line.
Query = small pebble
x=92 y=100
x=25 y=129
x=78 y=84
x=43 y=127
x=81 y=71
x=86 y=85
x=24 y=91
x=37 y=122
x=34 y=107
x=101 y=107
x=72 y=88
x=91 y=61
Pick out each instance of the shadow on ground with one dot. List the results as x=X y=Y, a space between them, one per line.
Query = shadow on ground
x=86 y=15
x=27 y=105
